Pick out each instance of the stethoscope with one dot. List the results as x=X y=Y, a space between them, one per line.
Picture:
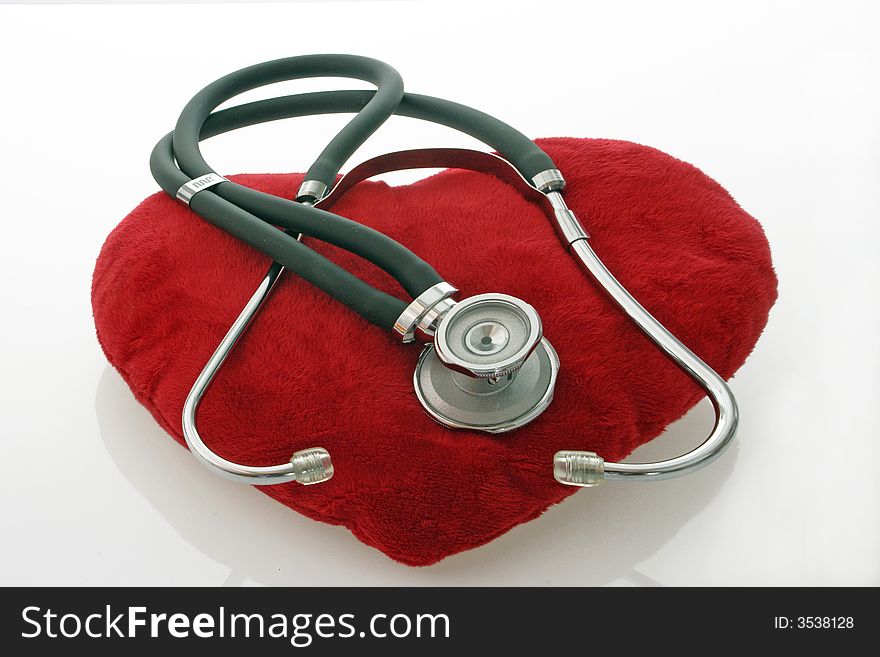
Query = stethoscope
x=486 y=365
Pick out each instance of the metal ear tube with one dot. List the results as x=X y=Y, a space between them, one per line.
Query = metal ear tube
x=580 y=468
x=306 y=466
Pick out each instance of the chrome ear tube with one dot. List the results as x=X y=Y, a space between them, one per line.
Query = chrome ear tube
x=306 y=466
x=584 y=468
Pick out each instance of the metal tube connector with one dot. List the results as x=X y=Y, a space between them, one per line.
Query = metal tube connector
x=570 y=229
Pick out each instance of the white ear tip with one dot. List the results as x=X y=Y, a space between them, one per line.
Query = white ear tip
x=312 y=466
x=578 y=468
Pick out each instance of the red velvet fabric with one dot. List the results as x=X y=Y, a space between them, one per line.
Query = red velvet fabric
x=167 y=285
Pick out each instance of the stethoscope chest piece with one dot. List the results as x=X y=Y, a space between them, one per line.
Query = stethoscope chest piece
x=489 y=368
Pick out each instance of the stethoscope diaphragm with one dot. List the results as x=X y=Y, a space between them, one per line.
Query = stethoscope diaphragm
x=489 y=368
x=458 y=401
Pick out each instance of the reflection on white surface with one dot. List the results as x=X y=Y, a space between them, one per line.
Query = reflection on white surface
x=776 y=100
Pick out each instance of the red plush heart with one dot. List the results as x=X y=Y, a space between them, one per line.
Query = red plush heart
x=167 y=285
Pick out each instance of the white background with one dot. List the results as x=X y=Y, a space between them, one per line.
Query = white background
x=779 y=101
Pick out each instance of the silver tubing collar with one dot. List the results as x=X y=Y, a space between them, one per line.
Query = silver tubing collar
x=193 y=187
x=311 y=189
x=424 y=311
x=550 y=180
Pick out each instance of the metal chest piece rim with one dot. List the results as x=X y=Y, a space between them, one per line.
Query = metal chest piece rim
x=489 y=369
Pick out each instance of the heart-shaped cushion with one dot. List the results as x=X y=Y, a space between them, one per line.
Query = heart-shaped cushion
x=309 y=372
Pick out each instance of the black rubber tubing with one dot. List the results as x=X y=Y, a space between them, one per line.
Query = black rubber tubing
x=373 y=305
x=341 y=147
x=251 y=206
x=414 y=275
x=377 y=307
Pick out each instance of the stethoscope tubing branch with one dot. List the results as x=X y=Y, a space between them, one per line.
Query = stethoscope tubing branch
x=177 y=160
x=719 y=393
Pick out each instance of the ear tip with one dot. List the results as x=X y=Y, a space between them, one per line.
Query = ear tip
x=312 y=465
